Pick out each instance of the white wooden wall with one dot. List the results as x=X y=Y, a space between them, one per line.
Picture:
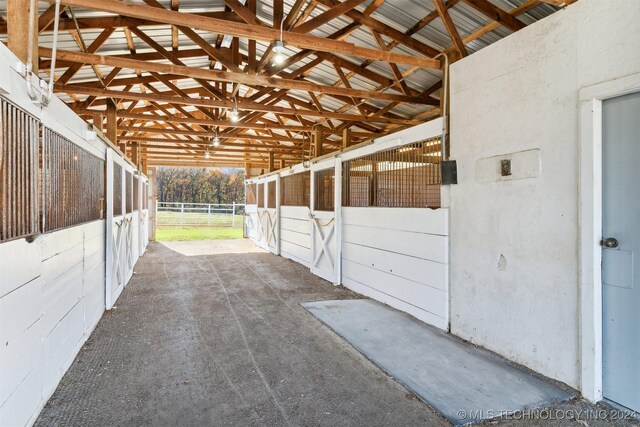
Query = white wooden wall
x=52 y=290
x=51 y=298
x=251 y=222
x=295 y=234
x=399 y=256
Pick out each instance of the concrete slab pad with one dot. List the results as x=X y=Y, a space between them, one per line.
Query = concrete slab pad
x=464 y=383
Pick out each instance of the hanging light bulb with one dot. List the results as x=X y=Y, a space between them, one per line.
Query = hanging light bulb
x=206 y=154
x=216 y=139
x=278 y=48
x=233 y=114
x=279 y=56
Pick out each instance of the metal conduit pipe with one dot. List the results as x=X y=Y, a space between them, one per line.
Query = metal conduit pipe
x=29 y=70
x=445 y=95
x=56 y=23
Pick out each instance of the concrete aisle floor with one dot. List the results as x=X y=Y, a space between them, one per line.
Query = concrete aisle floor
x=208 y=333
x=222 y=340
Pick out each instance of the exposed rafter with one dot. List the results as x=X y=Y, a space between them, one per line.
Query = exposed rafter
x=349 y=69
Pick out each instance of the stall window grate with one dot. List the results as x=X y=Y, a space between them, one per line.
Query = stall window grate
x=261 y=195
x=129 y=191
x=324 y=190
x=72 y=183
x=117 y=189
x=136 y=193
x=295 y=189
x=271 y=194
x=407 y=176
x=250 y=191
x=145 y=195
x=19 y=204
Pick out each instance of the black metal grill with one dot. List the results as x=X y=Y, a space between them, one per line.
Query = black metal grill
x=295 y=190
x=19 y=204
x=136 y=193
x=117 y=189
x=260 y=195
x=72 y=183
x=407 y=176
x=250 y=191
x=271 y=194
x=128 y=181
x=324 y=190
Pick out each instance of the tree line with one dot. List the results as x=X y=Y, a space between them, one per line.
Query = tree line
x=200 y=185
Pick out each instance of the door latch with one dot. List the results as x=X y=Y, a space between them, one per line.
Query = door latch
x=609 y=242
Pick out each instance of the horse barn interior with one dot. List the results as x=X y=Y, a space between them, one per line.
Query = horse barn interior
x=440 y=221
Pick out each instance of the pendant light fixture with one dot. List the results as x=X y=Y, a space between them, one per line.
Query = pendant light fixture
x=278 y=48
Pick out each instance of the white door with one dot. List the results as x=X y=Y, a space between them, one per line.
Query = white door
x=621 y=250
x=262 y=223
x=129 y=225
x=272 y=214
x=326 y=203
x=115 y=229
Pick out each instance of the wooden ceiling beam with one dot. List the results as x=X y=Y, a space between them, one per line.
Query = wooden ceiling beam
x=242 y=105
x=225 y=76
x=48 y=16
x=304 y=41
x=220 y=123
x=206 y=134
x=102 y=22
x=201 y=148
x=386 y=30
x=450 y=26
x=333 y=12
x=92 y=48
x=493 y=12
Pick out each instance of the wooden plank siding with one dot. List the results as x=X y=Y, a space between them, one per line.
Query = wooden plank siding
x=399 y=256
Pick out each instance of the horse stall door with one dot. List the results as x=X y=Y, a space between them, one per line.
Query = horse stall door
x=251 y=211
x=272 y=215
x=142 y=183
x=262 y=223
x=325 y=220
x=129 y=225
x=115 y=227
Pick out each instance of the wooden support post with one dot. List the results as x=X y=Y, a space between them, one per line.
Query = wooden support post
x=247 y=170
x=98 y=121
x=271 y=162
x=18 y=13
x=282 y=164
x=135 y=154
x=346 y=138
x=112 y=125
x=318 y=138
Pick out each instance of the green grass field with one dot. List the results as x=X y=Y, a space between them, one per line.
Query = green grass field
x=198 y=233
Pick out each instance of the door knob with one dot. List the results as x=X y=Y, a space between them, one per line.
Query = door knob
x=610 y=242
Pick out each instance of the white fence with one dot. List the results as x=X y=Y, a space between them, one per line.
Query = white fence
x=172 y=214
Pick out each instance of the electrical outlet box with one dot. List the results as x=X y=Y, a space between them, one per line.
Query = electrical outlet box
x=505 y=167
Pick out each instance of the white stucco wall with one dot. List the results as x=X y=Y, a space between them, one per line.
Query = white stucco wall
x=514 y=241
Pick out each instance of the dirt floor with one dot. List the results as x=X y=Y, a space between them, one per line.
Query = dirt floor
x=209 y=334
